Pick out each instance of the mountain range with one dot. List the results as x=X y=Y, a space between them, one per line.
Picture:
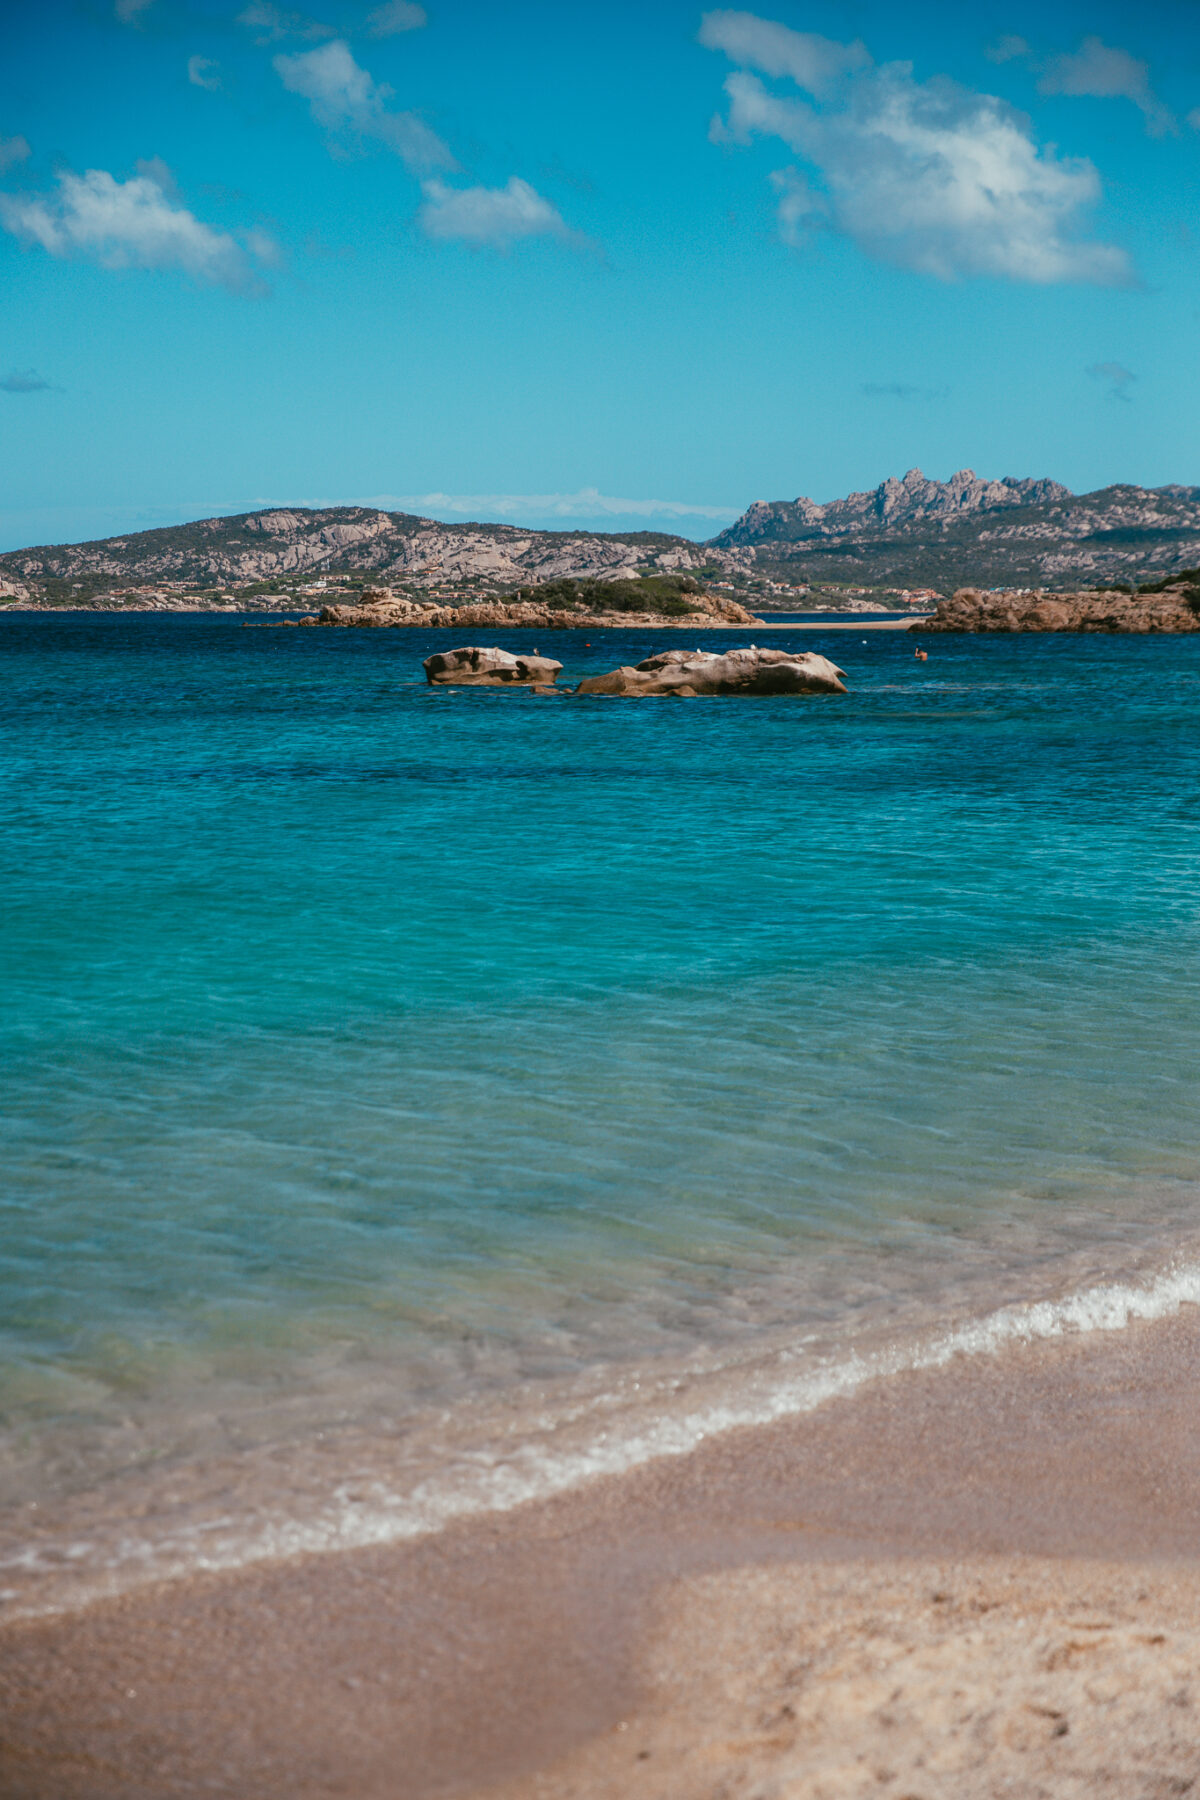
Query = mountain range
x=967 y=531
x=284 y=547
x=907 y=533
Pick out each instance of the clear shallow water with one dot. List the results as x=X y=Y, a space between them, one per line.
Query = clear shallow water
x=370 y=1047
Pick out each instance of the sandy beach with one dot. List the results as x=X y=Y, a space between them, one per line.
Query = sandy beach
x=600 y=1252
x=973 y=1580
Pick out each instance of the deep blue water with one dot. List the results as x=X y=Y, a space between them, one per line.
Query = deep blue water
x=346 y=1017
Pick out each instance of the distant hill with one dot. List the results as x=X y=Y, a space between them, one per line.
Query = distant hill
x=1010 y=533
x=914 y=533
x=282 y=547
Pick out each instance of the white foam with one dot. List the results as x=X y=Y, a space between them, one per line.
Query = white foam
x=479 y=1482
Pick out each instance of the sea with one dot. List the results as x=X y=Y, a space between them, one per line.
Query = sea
x=419 y=1100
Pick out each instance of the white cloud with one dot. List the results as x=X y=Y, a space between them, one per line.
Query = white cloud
x=134 y=224
x=1103 y=72
x=1008 y=48
x=801 y=210
x=814 y=63
x=155 y=170
x=588 y=503
x=396 y=16
x=13 y=150
x=272 y=24
x=129 y=11
x=493 y=216
x=263 y=247
x=1193 y=119
x=928 y=175
x=203 y=72
x=345 y=100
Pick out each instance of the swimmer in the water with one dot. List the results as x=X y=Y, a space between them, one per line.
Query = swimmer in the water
x=921 y=655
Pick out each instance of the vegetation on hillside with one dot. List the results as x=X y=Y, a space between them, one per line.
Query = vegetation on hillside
x=1187 y=579
x=670 y=596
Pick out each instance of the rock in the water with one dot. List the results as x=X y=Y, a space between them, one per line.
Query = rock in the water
x=476 y=667
x=747 y=670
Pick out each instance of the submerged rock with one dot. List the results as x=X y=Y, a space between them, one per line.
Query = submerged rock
x=474 y=666
x=688 y=674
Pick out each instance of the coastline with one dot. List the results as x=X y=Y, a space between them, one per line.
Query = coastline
x=697 y=1120
x=861 y=620
x=549 y=1645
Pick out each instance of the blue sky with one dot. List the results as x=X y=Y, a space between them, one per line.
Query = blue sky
x=612 y=265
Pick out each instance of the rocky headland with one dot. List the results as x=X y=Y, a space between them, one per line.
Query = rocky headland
x=566 y=606
x=1171 y=605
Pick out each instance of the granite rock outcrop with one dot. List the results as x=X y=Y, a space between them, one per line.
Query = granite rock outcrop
x=1174 y=609
x=475 y=666
x=894 y=505
x=1014 y=533
x=380 y=608
x=288 y=542
x=689 y=674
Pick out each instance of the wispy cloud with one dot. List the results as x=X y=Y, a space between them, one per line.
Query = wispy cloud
x=13 y=150
x=130 y=11
x=928 y=175
x=346 y=102
x=25 y=381
x=495 y=217
x=1104 y=72
x=816 y=64
x=396 y=16
x=801 y=210
x=902 y=390
x=588 y=503
x=203 y=72
x=1008 y=48
x=273 y=25
x=134 y=224
x=1115 y=376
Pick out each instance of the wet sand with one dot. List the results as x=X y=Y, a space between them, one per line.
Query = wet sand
x=975 y=1580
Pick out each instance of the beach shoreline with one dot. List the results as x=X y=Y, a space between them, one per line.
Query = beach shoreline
x=481 y=1173
x=508 y=1651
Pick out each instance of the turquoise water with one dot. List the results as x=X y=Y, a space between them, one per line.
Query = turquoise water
x=461 y=1037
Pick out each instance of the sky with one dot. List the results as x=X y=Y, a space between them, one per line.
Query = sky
x=607 y=265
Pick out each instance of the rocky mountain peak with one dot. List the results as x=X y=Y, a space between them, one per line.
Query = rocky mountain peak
x=902 y=501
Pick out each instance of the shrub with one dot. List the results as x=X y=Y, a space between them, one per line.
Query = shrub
x=1181 y=578
x=1188 y=580
x=671 y=596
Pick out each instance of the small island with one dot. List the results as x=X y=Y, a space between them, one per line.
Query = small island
x=1172 y=604
x=565 y=605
